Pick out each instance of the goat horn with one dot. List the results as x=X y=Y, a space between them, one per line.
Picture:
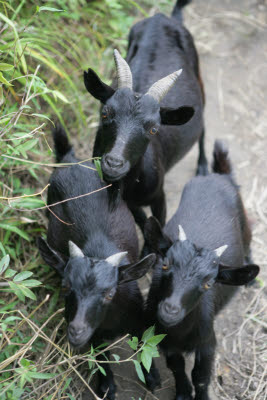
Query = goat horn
x=160 y=88
x=182 y=235
x=115 y=259
x=123 y=72
x=74 y=250
x=220 y=250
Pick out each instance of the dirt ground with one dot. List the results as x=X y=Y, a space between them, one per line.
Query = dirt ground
x=231 y=37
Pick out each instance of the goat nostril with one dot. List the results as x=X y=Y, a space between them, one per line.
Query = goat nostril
x=171 y=308
x=114 y=162
x=75 y=332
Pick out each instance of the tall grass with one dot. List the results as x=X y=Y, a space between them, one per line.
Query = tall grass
x=44 y=47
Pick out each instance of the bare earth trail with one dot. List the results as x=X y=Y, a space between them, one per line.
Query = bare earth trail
x=231 y=37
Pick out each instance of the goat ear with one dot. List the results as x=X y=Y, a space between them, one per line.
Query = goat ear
x=237 y=276
x=131 y=272
x=154 y=237
x=178 y=116
x=50 y=256
x=96 y=87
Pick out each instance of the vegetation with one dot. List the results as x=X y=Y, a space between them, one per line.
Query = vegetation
x=43 y=50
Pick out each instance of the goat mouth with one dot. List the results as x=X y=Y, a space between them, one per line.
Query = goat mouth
x=113 y=175
x=80 y=342
x=167 y=321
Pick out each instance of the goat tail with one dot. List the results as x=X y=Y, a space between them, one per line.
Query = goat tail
x=61 y=142
x=177 y=10
x=221 y=162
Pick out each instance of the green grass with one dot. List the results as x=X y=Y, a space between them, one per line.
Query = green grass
x=44 y=48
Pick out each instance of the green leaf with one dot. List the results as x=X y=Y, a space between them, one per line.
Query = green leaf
x=16 y=230
x=41 y=375
x=155 y=340
x=60 y=96
x=6 y=67
x=22 y=276
x=4 y=263
x=133 y=343
x=148 y=334
x=139 y=371
x=146 y=359
x=17 y=290
x=10 y=272
x=38 y=9
x=27 y=292
x=3 y=80
x=101 y=369
x=98 y=168
x=31 y=283
x=117 y=357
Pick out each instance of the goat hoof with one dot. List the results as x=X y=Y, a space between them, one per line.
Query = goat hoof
x=153 y=380
x=111 y=395
x=184 y=397
x=202 y=169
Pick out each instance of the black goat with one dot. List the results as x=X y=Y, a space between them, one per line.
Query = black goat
x=139 y=138
x=197 y=271
x=99 y=275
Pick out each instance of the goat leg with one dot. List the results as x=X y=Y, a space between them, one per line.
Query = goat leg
x=158 y=207
x=176 y=364
x=106 y=383
x=152 y=377
x=201 y=373
x=202 y=164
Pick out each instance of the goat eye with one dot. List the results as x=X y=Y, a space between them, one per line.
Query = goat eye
x=104 y=114
x=207 y=285
x=66 y=289
x=165 y=267
x=153 y=131
x=109 y=295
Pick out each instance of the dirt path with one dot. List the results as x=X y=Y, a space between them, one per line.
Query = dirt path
x=231 y=37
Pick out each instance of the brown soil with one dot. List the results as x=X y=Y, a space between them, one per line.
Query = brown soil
x=231 y=37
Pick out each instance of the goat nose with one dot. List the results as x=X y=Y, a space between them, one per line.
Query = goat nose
x=171 y=308
x=76 y=330
x=114 y=162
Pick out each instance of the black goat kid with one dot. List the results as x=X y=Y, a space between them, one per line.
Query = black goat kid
x=99 y=275
x=139 y=138
x=197 y=271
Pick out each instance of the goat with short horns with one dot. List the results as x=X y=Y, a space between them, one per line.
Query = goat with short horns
x=95 y=250
x=156 y=114
x=203 y=254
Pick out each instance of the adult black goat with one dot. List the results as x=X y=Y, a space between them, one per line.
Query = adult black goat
x=95 y=250
x=197 y=271
x=139 y=138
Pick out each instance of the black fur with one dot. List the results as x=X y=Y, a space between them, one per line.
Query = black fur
x=99 y=295
x=139 y=139
x=190 y=282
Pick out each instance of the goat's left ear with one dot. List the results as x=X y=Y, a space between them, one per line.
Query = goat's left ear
x=237 y=276
x=131 y=272
x=178 y=116
x=96 y=87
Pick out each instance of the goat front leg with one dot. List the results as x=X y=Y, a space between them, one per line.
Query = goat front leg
x=158 y=207
x=139 y=216
x=152 y=377
x=106 y=383
x=202 y=164
x=201 y=373
x=176 y=363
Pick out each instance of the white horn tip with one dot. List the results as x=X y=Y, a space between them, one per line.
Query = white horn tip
x=74 y=250
x=182 y=235
x=220 y=250
x=115 y=259
x=179 y=72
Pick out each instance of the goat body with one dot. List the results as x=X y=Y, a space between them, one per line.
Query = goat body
x=95 y=250
x=138 y=139
x=198 y=271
